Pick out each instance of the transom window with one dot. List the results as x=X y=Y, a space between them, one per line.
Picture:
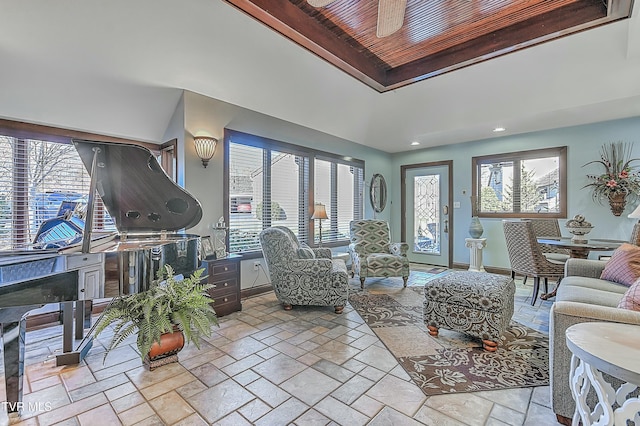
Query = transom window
x=268 y=183
x=521 y=184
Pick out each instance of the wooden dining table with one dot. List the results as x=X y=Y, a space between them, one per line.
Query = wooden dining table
x=578 y=250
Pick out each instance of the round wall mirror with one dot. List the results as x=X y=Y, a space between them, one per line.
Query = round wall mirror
x=378 y=194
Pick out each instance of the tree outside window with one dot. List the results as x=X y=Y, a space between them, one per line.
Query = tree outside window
x=521 y=184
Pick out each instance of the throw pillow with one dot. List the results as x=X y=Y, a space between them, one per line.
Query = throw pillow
x=624 y=265
x=631 y=299
x=305 y=252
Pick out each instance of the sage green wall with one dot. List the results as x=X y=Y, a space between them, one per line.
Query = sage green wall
x=207 y=116
x=584 y=144
x=175 y=130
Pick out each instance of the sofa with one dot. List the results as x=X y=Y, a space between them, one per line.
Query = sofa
x=582 y=297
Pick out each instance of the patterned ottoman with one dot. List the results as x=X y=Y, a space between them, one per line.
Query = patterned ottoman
x=476 y=303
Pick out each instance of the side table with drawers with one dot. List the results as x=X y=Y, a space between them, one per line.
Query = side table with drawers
x=224 y=273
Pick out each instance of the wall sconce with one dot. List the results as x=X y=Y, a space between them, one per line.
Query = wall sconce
x=205 y=148
x=319 y=213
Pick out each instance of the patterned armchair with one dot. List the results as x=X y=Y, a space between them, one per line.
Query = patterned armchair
x=372 y=254
x=301 y=275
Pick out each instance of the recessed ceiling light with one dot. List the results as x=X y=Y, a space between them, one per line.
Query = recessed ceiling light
x=415 y=143
x=499 y=129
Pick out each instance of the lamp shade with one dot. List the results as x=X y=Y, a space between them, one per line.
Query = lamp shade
x=635 y=214
x=319 y=212
x=205 y=148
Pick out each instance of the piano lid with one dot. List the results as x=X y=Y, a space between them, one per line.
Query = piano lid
x=136 y=192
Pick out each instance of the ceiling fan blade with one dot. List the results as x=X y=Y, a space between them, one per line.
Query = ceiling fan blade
x=319 y=3
x=390 y=16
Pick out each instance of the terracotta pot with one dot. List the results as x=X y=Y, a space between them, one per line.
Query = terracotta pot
x=170 y=344
x=617 y=202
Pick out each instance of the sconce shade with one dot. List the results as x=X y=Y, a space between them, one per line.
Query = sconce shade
x=635 y=214
x=205 y=148
x=319 y=212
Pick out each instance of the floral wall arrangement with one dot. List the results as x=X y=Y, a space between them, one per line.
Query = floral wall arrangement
x=620 y=181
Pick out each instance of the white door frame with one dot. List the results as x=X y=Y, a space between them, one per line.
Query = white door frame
x=403 y=200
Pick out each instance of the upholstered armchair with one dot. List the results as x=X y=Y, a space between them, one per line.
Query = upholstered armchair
x=372 y=253
x=303 y=276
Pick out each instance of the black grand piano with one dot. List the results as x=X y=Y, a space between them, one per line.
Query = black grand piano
x=148 y=210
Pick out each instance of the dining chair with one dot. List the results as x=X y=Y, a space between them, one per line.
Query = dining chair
x=635 y=234
x=633 y=239
x=549 y=228
x=526 y=257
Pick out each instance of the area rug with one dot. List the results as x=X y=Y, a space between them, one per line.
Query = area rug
x=451 y=362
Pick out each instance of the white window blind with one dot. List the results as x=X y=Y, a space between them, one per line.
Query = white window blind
x=268 y=185
x=265 y=189
x=36 y=177
x=339 y=187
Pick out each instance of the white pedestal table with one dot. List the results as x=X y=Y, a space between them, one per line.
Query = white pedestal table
x=604 y=347
x=475 y=246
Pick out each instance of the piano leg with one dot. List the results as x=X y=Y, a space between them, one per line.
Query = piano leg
x=13 y=334
x=83 y=317
x=80 y=311
x=70 y=355
x=67 y=320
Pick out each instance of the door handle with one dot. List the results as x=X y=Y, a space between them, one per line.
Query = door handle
x=445 y=210
x=446 y=226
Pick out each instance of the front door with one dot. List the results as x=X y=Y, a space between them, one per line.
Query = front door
x=427 y=214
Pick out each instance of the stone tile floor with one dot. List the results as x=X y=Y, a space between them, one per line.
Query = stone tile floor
x=266 y=366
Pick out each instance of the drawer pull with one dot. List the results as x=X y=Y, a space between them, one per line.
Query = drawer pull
x=225 y=300
x=226 y=284
x=84 y=259
x=226 y=268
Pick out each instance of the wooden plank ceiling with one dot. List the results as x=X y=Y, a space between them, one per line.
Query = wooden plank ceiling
x=437 y=35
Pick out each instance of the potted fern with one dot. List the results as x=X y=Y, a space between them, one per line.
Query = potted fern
x=164 y=316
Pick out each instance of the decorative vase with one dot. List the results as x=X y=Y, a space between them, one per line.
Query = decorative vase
x=475 y=227
x=617 y=201
x=166 y=351
x=578 y=227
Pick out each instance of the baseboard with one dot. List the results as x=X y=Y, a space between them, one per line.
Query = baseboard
x=48 y=318
x=490 y=269
x=254 y=291
x=55 y=317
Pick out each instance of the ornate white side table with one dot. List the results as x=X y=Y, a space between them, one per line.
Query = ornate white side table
x=475 y=246
x=604 y=347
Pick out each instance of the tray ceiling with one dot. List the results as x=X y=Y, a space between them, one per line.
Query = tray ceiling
x=437 y=36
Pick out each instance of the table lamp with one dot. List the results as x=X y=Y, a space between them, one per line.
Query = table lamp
x=320 y=213
x=635 y=214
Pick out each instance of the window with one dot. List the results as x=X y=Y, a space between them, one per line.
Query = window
x=521 y=184
x=43 y=180
x=337 y=186
x=268 y=184
x=42 y=177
